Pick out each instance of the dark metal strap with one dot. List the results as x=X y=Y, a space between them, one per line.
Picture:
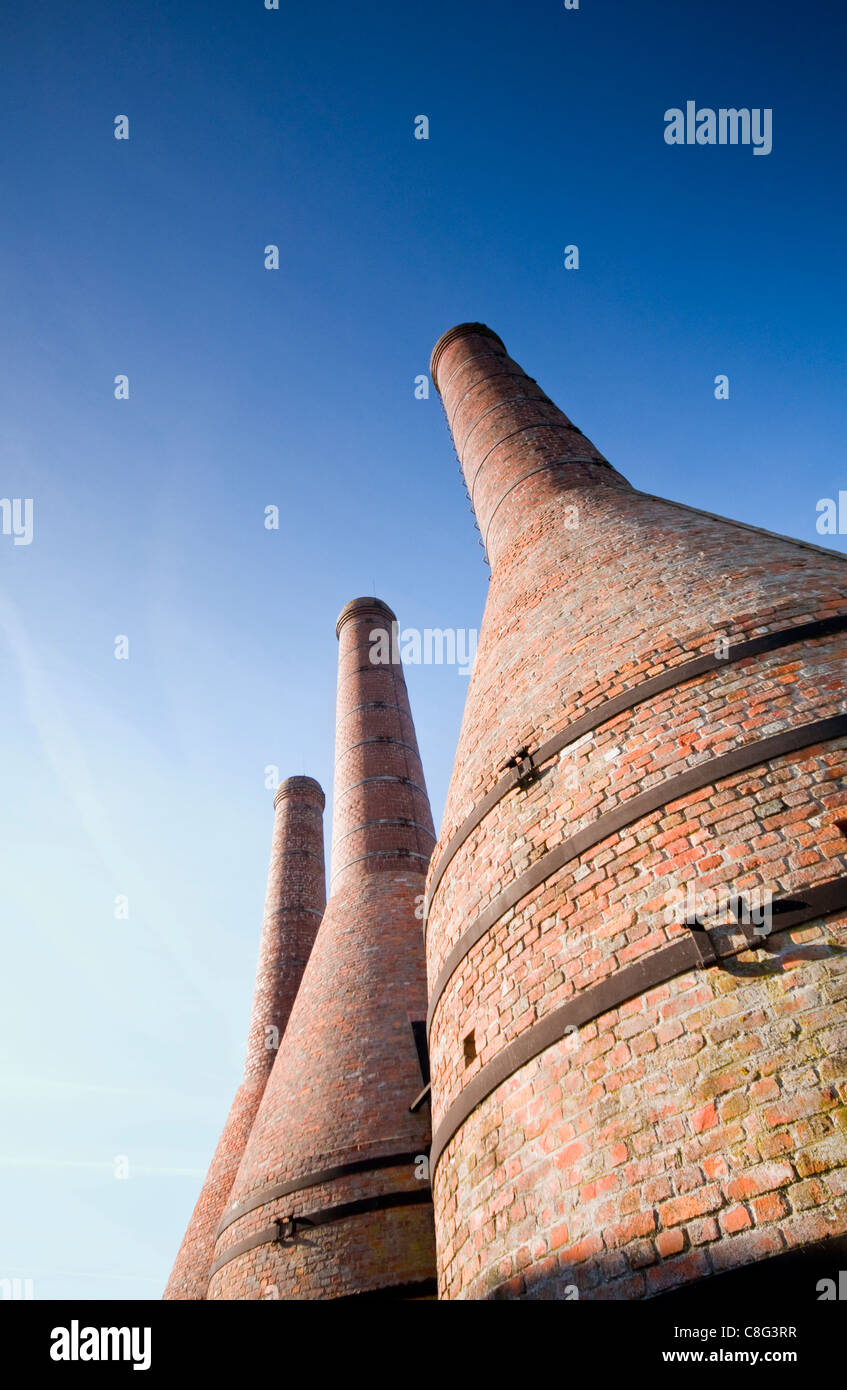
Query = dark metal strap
x=703 y=944
x=398 y=853
x=381 y=739
x=322 y=1175
x=541 y=468
x=403 y=822
x=477 y=356
x=523 y=429
x=498 y=405
x=270 y=1235
x=384 y=777
x=421 y=1288
x=656 y=969
x=296 y=909
x=376 y=704
x=626 y=813
x=627 y=700
x=480 y=381
x=379 y=666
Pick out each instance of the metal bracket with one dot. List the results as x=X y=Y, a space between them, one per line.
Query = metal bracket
x=419 y=1099
x=524 y=764
x=702 y=940
x=286 y=1227
x=740 y=910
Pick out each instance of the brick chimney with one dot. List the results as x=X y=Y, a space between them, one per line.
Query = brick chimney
x=381 y=819
x=654 y=734
x=294 y=904
x=332 y=1198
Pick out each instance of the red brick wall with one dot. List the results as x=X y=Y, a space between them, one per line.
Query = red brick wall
x=381 y=818
x=703 y=1125
x=294 y=903
x=348 y=1069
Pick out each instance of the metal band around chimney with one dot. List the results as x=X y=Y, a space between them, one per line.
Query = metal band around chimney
x=295 y=910
x=386 y=777
x=323 y=1217
x=462 y=330
x=397 y=822
x=315 y=1179
x=524 y=429
x=619 y=704
x=656 y=969
x=542 y=468
x=492 y=376
x=381 y=739
x=498 y=405
x=704 y=774
x=380 y=667
x=476 y=357
x=376 y=704
x=398 y=853
x=420 y=1288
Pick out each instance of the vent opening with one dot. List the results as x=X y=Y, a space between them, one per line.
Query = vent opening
x=419 y=1034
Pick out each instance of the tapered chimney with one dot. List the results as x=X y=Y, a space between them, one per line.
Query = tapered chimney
x=381 y=819
x=332 y=1198
x=520 y=453
x=294 y=904
x=635 y=906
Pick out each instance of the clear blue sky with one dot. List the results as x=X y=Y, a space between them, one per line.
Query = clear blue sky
x=252 y=387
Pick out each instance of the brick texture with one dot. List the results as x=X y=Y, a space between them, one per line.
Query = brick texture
x=701 y=1126
x=348 y=1068
x=294 y=904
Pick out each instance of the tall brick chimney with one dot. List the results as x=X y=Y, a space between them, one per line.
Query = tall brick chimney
x=294 y=904
x=332 y=1198
x=654 y=733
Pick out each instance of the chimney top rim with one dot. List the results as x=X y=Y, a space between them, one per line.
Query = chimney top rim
x=300 y=786
x=358 y=606
x=459 y=330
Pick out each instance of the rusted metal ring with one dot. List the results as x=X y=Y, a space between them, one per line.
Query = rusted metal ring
x=658 y=968
x=619 y=704
x=269 y=1235
x=704 y=774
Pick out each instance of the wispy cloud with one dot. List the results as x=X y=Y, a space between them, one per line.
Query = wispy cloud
x=94 y=1165
x=64 y=752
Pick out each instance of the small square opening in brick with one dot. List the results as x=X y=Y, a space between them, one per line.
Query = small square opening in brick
x=470 y=1047
x=842 y=826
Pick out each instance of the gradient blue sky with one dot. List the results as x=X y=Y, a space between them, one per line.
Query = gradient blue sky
x=249 y=387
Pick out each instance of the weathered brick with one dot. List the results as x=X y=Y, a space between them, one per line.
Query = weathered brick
x=347 y=1067
x=294 y=902
x=735 y=1219
x=686 y=1208
x=762 y=1179
x=670 y=1242
x=563 y=632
